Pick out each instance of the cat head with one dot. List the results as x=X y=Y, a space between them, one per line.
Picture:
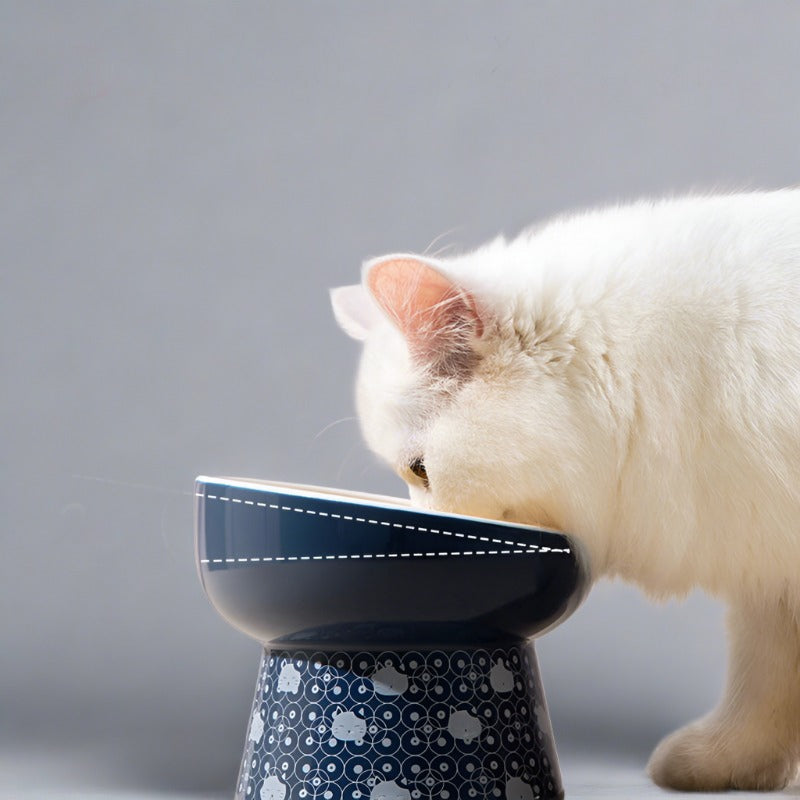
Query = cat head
x=464 y=386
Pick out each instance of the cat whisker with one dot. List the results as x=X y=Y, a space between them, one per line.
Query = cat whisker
x=366 y=469
x=129 y=484
x=346 y=458
x=165 y=538
x=333 y=424
x=426 y=251
x=442 y=250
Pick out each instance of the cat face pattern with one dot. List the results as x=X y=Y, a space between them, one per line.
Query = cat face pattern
x=517 y=789
x=389 y=790
x=256 y=728
x=289 y=679
x=501 y=678
x=388 y=681
x=398 y=726
x=462 y=725
x=272 y=789
x=348 y=727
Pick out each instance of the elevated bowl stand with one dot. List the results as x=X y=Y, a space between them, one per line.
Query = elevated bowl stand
x=398 y=658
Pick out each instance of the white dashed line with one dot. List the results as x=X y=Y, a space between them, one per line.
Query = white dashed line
x=526 y=548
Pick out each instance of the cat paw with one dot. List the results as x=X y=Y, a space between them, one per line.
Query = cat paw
x=703 y=757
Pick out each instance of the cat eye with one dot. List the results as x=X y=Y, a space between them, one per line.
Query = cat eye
x=417 y=466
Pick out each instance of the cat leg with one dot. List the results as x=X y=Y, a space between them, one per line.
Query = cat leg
x=752 y=740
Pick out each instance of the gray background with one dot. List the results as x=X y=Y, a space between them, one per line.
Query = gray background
x=181 y=183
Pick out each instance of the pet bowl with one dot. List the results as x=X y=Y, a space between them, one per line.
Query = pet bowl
x=398 y=662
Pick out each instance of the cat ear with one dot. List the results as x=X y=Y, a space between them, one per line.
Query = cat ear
x=436 y=315
x=355 y=310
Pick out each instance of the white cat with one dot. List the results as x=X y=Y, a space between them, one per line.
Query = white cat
x=632 y=376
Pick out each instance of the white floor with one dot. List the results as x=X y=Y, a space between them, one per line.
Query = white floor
x=587 y=778
x=51 y=776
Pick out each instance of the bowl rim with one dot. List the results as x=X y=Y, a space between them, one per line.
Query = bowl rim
x=368 y=499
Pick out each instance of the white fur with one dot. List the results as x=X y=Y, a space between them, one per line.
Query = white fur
x=638 y=385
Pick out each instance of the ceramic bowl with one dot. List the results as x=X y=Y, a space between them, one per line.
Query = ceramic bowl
x=398 y=660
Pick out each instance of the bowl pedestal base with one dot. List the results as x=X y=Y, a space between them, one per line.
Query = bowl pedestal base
x=458 y=724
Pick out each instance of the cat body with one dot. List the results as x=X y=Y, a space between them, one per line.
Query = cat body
x=632 y=376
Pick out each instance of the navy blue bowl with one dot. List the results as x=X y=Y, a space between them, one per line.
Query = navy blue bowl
x=395 y=662
x=313 y=567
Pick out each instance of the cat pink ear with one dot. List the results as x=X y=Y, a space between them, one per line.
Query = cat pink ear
x=434 y=314
x=355 y=310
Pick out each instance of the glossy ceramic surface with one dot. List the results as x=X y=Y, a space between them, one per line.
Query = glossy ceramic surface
x=451 y=725
x=310 y=568
x=397 y=662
